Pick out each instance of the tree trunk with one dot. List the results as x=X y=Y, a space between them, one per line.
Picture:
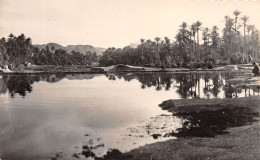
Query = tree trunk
x=244 y=49
x=204 y=47
x=158 y=56
x=142 y=55
x=198 y=48
x=194 y=49
x=190 y=49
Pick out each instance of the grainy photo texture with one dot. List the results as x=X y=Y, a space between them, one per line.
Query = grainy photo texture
x=129 y=80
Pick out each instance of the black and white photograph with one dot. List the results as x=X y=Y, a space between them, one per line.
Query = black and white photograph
x=129 y=80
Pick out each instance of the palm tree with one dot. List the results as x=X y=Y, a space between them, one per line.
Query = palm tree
x=149 y=45
x=190 y=34
x=253 y=41
x=214 y=38
x=167 y=40
x=182 y=44
x=228 y=36
x=157 y=39
x=198 y=25
x=249 y=28
x=245 y=20
x=28 y=50
x=193 y=31
x=168 y=49
x=205 y=35
x=250 y=41
x=236 y=13
x=257 y=43
x=10 y=46
x=142 y=42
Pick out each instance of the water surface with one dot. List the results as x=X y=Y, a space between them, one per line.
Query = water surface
x=46 y=116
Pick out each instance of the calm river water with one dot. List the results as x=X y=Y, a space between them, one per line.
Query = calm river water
x=59 y=116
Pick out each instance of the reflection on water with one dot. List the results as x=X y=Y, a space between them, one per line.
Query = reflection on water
x=67 y=116
x=186 y=85
x=22 y=84
x=194 y=85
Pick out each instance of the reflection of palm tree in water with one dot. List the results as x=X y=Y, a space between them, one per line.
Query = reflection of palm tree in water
x=19 y=84
x=185 y=83
x=3 y=88
x=157 y=80
x=197 y=83
x=158 y=87
x=168 y=83
x=111 y=77
x=216 y=85
x=206 y=88
x=22 y=84
x=193 y=82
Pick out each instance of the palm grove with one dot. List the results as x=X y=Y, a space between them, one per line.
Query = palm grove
x=239 y=42
x=18 y=50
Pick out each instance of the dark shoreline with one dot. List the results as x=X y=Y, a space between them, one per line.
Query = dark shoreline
x=80 y=72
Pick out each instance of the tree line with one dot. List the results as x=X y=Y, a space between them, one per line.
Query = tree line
x=239 y=43
x=18 y=50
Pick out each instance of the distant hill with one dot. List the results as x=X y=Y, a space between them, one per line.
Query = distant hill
x=77 y=48
x=55 y=45
x=133 y=45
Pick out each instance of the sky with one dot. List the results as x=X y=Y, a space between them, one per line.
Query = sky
x=114 y=23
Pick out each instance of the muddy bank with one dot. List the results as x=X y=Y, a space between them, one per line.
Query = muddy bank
x=241 y=143
x=225 y=129
x=198 y=105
